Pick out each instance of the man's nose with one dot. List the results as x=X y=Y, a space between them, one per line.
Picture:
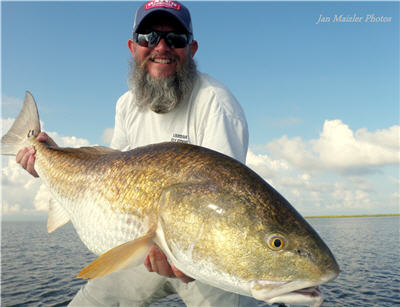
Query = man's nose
x=162 y=45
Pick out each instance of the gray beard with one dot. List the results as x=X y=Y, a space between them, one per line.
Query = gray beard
x=161 y=95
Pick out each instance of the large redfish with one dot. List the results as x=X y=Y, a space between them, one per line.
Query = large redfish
x=214 y=218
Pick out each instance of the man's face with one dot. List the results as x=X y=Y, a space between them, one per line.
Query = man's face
x=161 y=61
x=161 y=77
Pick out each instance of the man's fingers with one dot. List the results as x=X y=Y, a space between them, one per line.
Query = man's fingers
x=147 y=264
x=30 y=167
x=159 y=262
x=156 y=261
x=26 y=158
x=22 y=153
x=180 y=275
x=23 y=156
x=43 y=137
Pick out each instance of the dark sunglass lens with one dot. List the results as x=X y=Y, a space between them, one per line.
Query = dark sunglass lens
x=172 y=39
x=142 y=40
x=148 y=40
x=153 y=38
x=176 y=40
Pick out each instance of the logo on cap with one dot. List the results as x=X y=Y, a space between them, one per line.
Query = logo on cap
x=162 y=3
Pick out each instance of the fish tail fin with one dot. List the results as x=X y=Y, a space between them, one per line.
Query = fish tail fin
x=25 y=126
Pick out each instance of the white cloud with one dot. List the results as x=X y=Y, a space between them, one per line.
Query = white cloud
x=344 y=196
x=42 y=198
x=395 y=180
x=386 y=138
x=107 y=136
x=339 y=149
x=309 y=173
x=265 y=166
x=68 y=141
x=18 y=188
x=8 y=210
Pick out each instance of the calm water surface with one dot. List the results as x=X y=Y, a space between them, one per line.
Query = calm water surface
x=39 y=269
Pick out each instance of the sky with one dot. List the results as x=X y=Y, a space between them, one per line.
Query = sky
x=321 y=95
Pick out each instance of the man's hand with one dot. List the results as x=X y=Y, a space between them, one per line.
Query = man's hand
x=156 y=261
x=26 y=156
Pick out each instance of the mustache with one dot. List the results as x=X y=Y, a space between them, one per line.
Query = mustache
x=154 y=55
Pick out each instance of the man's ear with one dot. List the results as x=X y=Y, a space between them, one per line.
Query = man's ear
x=194 y=46
x=131 y=46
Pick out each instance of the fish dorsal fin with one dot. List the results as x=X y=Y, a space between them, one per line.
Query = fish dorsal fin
x=95 y=150
x=57 y=216
x=131 y=253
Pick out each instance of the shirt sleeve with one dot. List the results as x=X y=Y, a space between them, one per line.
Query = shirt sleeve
x=119 y=139
x=225 y=128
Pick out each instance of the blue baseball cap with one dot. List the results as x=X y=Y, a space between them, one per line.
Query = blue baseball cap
x=173 y=8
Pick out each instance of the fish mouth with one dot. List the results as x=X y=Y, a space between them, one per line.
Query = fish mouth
x=309 y=297
x=293 y=292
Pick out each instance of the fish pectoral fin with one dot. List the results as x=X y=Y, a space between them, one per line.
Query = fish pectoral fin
x=57 y=216
x=131 y=253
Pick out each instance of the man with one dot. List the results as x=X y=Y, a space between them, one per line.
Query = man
x=168 y=100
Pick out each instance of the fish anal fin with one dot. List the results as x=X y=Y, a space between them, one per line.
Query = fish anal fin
x=57 y=216
x=131 y=253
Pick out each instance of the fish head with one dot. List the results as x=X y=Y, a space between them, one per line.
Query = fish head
x=289 y=258
x=245 y=239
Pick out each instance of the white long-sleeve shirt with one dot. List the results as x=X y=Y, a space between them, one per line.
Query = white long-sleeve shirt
x=211 y=118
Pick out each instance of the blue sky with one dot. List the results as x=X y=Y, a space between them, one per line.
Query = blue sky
x=304 y=87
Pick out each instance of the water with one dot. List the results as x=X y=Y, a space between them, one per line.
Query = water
x=40 y=268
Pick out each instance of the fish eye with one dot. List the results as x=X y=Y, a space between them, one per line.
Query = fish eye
x=276 y=242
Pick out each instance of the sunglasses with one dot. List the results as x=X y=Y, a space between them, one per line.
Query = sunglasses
x=172 y=39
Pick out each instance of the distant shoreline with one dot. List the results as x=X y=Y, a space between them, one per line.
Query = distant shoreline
x=44 y=218
x=353 y=215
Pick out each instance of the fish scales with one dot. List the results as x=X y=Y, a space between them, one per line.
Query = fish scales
x=150 y=170
x=214 y=218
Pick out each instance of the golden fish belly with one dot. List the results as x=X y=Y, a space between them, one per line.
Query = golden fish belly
x=98 y=225
x=108 y=203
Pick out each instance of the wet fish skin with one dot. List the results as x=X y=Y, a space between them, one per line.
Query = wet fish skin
x=213 y=217
x=240 y=209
